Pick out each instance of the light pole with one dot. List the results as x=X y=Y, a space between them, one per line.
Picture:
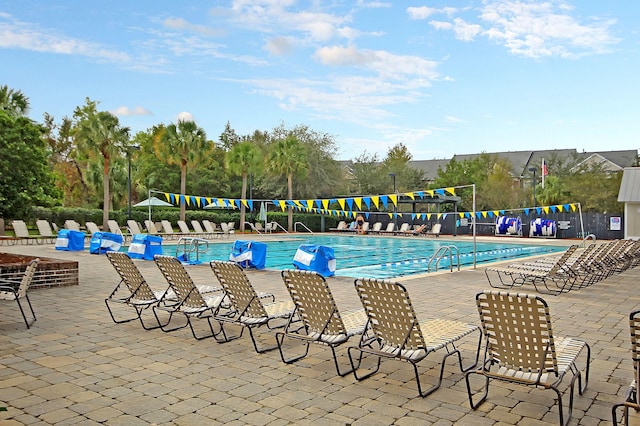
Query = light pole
x=136 y=147
x=395 y=205
x=533 y=169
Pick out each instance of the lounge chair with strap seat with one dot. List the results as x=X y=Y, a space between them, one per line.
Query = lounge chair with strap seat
x=631 y=399
x=316 y=318
x=520 y=347
x=394 y=332
x=189 y=301
x=135 y=293
x=17 y=290
x=247 y=308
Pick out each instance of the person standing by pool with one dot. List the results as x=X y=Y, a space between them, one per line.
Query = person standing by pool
x=360 y=224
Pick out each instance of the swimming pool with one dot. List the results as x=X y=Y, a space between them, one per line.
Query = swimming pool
x=377 y=257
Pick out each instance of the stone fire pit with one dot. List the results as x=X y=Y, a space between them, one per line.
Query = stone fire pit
x=50 y=272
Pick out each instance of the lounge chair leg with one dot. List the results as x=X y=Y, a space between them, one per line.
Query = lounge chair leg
x=335 y=361
x=24 y=316
x=280 y=337
x=360 y=357
x=255 y=343
x=470 y=392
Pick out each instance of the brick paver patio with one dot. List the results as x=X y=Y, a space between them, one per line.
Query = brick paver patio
x=75 y=366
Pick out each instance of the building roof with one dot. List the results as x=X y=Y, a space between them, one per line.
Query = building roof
x=630 y=186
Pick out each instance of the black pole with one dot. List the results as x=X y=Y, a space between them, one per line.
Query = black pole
x=129 y=182
x=533 y=169
x=395 y=205
x=137 y=147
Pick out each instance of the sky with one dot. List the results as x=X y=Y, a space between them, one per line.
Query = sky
x=441 y=77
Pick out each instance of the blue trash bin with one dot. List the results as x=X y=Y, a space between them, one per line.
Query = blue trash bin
x=102 y=242
x=69 y=240
x=145 y=246
x=312 y=257
x=249 y=254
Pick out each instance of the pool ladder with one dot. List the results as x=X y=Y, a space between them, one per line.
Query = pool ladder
x=443 y=252
x=189 y=246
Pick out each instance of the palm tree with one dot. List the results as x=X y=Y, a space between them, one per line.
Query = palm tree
x=182 y=144
x=14 y=102
x=241 y=159
x=100 y=132
x=288 y=157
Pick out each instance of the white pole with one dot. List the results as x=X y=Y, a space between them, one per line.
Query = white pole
x=473 y=218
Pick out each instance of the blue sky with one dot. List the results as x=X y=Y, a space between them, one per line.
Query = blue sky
x=442 y=77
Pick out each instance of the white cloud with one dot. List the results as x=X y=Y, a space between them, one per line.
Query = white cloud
x=125 y=111
x=453 y=119
x=184 y=116
x=535 y=29
x=465 y=31
x=16 y=34
x=388 y=65
x=421 y=12
x=183 y=25
x=280 y=46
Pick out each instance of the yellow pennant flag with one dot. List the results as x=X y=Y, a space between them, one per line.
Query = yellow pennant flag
x=341 y=202
x=245 y=203
x=429 y=192
x=376 y=200
x=282 y=204
x=309 y=204
x=451 y=191
x=358 y=201
x=394 y=199
x=546 y=209
x=573 y=207
x=461 y=215
x=325 y=203
x=410 y=195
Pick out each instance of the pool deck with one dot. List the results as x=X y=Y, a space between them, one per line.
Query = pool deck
x=75 y=366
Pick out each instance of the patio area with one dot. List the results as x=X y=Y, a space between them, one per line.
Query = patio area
x=75 y=366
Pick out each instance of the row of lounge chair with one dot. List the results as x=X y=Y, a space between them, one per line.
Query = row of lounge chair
x=405 y=228
x=387 y=326
x=47 y=232
x=572 y=270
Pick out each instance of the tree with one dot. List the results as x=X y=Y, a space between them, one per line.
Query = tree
x=397 y=161
x=101 y=137
x=484 y=171
x=287 y=157
x=182 y=144
x=241 y=159
x=27 y=180
x=367 y=172
x=13 y=102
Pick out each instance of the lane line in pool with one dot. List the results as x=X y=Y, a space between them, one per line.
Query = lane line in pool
x=463 y=255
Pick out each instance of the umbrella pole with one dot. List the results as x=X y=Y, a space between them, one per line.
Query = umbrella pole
x=149 y=198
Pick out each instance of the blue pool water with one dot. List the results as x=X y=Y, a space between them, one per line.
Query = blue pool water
x=377 y=257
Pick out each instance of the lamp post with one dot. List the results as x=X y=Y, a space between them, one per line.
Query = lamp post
x=395 y=205
x=136 y=147
x=533 y=169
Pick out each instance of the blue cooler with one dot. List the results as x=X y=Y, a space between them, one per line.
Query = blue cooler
x=249 y=254
x=69 y=240
x=311 y=257
x=145 y=246
x=102 y=242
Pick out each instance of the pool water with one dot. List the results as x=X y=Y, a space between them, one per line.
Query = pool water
x=377 y=257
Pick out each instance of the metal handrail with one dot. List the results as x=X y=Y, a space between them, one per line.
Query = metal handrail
x=441 y=253
x=295 y=227
x=253 y=227
x=277 y=225
x=193 y=246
